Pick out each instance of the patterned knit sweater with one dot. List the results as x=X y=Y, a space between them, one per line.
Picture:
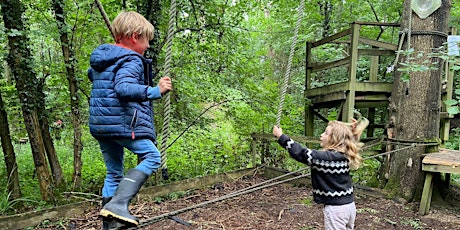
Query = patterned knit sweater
x=330 y=173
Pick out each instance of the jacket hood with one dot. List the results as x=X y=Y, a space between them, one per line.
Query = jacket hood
x=107 y=54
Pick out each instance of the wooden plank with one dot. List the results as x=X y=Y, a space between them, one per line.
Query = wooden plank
x=315 y=67
x=383 y=45
x=371 y=104
x=331 y=38
x=193 y=183
x=376 y=52
x=378 y=24
x=441 y=168
x=337 y=96
x=374 y=87
x=444 y=157
x=373 y=97
x=34 y=218
x=338 y=87
x=343 y=87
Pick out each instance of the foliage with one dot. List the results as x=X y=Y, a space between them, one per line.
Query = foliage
x=228 y=55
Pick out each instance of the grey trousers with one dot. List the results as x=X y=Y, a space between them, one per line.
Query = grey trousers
x=339 y=217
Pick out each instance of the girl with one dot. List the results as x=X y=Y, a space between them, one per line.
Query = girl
x=330 y=169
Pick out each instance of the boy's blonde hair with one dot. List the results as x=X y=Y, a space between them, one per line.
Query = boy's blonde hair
x=128 y=22
x=344 y=138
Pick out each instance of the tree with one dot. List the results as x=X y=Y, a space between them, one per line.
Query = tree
x=10 y=156
x=20 y=61
x=416 y=96
x=69 y=61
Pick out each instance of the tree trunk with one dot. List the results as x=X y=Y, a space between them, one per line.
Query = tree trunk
x=21 y=62
x=51 y=153
x=415 y=104
x=69 y=60
x=10 y=157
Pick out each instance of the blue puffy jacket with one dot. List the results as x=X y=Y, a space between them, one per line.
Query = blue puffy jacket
x=120 y=105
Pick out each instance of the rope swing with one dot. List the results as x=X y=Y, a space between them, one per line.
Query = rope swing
x=300 y=11
x=167 y=97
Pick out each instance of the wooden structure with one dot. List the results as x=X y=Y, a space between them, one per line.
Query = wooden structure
x=371 y=93
x=446 y=161
x=360 y=92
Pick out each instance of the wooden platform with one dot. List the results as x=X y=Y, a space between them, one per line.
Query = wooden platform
x=446 y=161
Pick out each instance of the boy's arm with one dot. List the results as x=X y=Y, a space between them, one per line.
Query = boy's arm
x=164 y=85
x=153 y=93
x=127 y=85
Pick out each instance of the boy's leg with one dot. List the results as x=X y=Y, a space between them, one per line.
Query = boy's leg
x=113 y=159
x=133 y=180
x=147 y=152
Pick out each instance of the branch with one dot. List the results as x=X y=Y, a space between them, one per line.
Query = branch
x=104 y=15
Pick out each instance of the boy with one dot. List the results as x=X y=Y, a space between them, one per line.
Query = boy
x=121 y=114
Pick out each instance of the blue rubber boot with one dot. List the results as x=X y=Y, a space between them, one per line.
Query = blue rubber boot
x=117 y=208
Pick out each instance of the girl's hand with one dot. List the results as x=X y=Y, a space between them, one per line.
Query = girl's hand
x=277 y=131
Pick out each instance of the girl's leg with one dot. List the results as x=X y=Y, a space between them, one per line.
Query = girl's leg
x=339 y=217
x=113 y=158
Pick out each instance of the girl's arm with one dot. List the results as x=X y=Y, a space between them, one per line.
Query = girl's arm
x=296 y=150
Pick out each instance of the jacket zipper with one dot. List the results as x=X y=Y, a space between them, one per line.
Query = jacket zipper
x=133 y=124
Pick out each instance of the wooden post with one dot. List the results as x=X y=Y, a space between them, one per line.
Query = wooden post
x=449 y=81
x=254 y=152
x=309 y=119
x=350 y=101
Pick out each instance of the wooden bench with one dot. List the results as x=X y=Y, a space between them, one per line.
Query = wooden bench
x=446 y=161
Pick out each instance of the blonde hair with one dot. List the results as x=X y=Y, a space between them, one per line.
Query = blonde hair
x=344 y=138
x=128 y=22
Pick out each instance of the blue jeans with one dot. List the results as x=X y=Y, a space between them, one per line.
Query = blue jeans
x=112 y=151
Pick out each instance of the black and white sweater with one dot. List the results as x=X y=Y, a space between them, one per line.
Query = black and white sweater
x=330 y=172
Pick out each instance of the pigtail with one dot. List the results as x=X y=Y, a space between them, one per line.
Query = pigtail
x=353 y=153
x=345 y=139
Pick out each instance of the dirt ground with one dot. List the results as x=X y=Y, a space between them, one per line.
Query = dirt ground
x=278 y=207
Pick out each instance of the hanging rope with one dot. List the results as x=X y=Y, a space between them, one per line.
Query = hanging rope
x=300 y=11
x=167 y=98
x=265 y=184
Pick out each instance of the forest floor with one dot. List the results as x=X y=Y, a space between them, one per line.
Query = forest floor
x=282 y=206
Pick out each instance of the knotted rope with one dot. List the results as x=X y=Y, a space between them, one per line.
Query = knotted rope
x=300 y=11
x=167 y=97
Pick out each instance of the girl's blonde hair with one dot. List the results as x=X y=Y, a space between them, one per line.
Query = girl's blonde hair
x=128 y=22
x=344 y=138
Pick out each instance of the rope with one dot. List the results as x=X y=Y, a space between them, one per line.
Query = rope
x=167 y=98
x=429 y=32
x=410 y=25
x=300 y=11
x=231 y=195
x=253 y=188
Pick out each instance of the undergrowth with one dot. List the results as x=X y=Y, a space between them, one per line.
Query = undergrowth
x=199 y=152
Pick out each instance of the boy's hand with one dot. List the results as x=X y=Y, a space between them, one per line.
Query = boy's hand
x=165 y=85
x=277 y=131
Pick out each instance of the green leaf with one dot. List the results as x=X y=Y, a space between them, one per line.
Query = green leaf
x=450 y=102
x=453 y=110
x=405 y=77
